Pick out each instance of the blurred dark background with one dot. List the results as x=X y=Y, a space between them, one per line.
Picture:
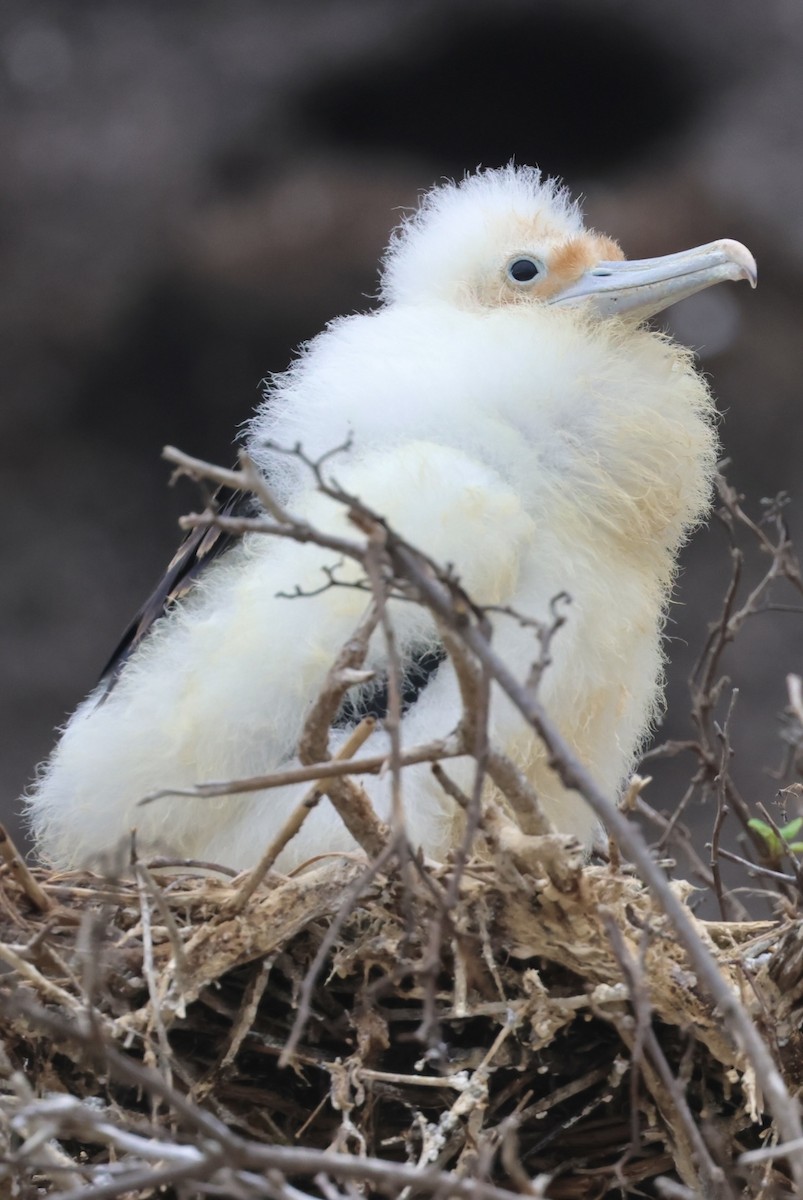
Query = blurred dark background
x=189 y=190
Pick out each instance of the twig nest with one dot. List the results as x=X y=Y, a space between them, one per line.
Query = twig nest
x=499 y=1036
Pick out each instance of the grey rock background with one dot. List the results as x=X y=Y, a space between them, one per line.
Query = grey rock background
x=189 y=190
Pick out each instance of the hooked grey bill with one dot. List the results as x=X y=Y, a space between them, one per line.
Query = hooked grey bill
x=643 y=287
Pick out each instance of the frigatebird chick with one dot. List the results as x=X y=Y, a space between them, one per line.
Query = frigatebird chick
x=509 y=412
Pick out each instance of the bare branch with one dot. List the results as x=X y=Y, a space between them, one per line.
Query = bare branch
x=294 y=822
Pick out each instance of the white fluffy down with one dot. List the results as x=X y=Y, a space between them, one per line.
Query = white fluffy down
x=434 y=252
x=537 y=449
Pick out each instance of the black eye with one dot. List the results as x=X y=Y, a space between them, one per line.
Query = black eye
x=523 y=270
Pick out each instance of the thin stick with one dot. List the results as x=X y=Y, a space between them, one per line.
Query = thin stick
x=427 y=752
x=148 y=969
x=20 y=872
x=350 y=898
x=37 y=980
x=347 y=797
x=294 y=822
x=695 y=1151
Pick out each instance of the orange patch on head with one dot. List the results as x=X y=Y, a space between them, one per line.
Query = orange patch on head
x=566 y=259
x=609 y=250
x=569 y=260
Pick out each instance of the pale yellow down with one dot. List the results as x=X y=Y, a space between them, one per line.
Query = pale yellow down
x=539 y=446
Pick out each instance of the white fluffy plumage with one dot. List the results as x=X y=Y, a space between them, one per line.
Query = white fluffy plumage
x=513 y=427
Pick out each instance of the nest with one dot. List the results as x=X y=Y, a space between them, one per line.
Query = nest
x=478 y=1029
x=510 y=1021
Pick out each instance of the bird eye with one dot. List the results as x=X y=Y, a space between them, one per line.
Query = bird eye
x=524 y=270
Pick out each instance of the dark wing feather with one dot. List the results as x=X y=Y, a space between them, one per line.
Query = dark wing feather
x=373 y=700
x=202 y=547
x=199 y=548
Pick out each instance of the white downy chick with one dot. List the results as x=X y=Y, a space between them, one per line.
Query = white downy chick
x=509 y=413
